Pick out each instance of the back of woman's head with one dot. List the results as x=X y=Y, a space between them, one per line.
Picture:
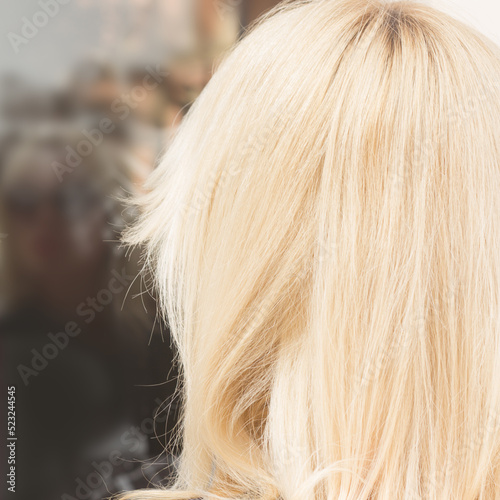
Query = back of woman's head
x=325 y=235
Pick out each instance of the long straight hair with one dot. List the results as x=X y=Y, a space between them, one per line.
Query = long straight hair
x=324 y=233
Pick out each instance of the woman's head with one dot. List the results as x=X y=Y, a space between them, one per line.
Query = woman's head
x=325 y=236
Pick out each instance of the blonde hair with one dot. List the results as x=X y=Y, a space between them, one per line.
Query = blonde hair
x=325 y=237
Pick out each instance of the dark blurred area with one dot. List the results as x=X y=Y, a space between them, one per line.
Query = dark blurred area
x=91 y=93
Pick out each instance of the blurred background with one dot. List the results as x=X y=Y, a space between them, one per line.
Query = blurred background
x=91 y=92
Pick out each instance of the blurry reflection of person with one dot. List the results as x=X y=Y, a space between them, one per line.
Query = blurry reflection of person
x=78 y=401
